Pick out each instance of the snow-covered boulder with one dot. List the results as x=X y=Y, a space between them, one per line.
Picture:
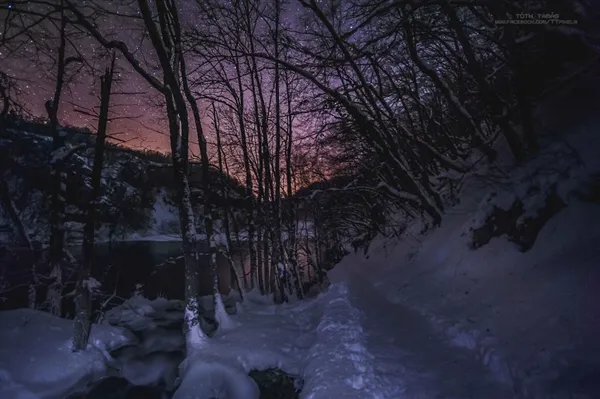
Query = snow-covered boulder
x=36 y=357
x=158 y=325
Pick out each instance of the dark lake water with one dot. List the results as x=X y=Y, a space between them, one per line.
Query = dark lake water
x=157 y=265
x=119 y=266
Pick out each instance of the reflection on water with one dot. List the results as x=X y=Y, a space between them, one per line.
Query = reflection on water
x=151 y=268
x=118 y=266
x=123 y=265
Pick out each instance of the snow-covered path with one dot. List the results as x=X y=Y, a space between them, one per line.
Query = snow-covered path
x=412 y=359
x=349 y=342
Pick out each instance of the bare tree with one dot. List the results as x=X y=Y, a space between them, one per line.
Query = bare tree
x=225 y=217
x=292 y=219
x=59 y=156
x=165 y=37
x=85 y=282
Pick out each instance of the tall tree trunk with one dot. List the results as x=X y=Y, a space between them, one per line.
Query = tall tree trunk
x=83 y=298
x=264 y=171
x=248 y=176
x=57 y=203
x=230 y=250
x=167 y=44
x=13 y=214
x=292 y=219
x=206 y=183
x=261 y=254
x=279 y=265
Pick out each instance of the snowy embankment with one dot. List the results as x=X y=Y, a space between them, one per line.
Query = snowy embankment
x=530 y=318
x=36 y=360
x=321 y=341
x=339 y=364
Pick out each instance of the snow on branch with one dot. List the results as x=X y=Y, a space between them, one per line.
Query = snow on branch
x=62 y=154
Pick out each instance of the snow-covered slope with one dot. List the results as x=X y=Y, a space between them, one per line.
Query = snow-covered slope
x=531 y=318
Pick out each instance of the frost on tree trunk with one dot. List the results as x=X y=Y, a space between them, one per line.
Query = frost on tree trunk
x=195 y=337
x=54 y=296
x=223 y=320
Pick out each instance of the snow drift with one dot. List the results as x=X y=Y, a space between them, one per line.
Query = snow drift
x=36 y=358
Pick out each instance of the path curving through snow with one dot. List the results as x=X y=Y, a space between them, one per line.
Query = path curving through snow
x=349 y=342
x=411 y=359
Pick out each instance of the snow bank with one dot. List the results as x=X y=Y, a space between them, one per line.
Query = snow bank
x=36 y=360
x=263 y=337
x=338 y=364
x=321 y=340
x=215 y=380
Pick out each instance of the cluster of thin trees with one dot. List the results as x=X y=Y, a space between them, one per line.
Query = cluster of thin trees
x=402 y=98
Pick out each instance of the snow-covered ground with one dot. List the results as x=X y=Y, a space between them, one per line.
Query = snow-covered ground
x=448 y=323
x=349 y=342
x=36 y=360
x=422 y=317
x=322 y=340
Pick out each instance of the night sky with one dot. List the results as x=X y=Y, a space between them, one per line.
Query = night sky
x=139 y=121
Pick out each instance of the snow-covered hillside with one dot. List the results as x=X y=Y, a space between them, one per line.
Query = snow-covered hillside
x=530 y=317
x=137 y=193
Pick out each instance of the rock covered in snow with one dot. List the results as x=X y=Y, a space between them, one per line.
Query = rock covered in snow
x=36 y=357
x=141 y=314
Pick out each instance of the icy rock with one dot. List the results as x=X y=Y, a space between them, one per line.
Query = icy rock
x=119 y=388
x=139 y=314
x=521 y=222
x=276 y=384
x=205 y=380
x=158 y=324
